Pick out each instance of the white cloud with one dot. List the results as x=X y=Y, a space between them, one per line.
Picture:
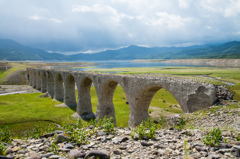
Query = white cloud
x=95 y=25
x=209 y=27
x=226 y=8
x=183 y=3
x=169 y=21
x=36 y=17
x=80 y=8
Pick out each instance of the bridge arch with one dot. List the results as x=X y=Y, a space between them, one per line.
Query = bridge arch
x=84 y=104
x=142 y=101
x=69 y=91
x=58 y=87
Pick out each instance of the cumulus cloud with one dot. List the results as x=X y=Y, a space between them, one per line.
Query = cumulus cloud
x=78 y=25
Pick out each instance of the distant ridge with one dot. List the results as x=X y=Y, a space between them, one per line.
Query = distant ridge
x=13 y=51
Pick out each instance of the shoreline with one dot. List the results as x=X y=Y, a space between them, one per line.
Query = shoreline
x=210 y=62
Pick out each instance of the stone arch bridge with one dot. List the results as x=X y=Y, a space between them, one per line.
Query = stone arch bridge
x=139 y=90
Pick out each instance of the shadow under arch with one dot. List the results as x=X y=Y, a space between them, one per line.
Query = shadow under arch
x=84 y=104
x=58 y=87
x=34 y=78
x=164 y=104
x=69 y=92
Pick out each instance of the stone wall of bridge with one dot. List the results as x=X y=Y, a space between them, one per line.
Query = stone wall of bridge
x=139 y=90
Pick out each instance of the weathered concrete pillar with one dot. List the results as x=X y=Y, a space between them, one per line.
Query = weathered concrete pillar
x=38 y=80
x=50 y=84
x=43 y=81
x=84 y=104
x=30 y=76
x=105 y=91
x=69 y=91
x=139 y=104
x=58 y=87
x=34 y=79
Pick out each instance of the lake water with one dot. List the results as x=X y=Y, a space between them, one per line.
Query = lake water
x=125 y=63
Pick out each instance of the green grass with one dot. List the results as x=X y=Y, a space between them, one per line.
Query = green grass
x=20 y=112
x=8 y=72
x=19 y=109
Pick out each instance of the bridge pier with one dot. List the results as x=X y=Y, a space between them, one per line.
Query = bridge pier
x=69 y=90
x=58 y=87
x=105 y=90
x=50 y=84
x=30 y=76
x=38 y=80
x=84 y=104
x=43 y=81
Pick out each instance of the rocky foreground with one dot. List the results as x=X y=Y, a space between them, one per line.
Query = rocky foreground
x=168 y=143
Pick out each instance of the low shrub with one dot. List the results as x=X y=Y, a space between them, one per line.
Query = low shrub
x=2 y=149
x=213 y=137
x=108 y=125
x=5 y=135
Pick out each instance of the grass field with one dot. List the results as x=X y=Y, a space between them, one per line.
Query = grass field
x=29 y=109
x=21 y=112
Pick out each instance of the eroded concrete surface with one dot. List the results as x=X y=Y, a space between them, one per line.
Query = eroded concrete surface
x=139 y=90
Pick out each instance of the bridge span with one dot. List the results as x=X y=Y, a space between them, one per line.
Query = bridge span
x=139 y=90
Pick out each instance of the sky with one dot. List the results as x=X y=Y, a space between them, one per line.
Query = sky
x=90 y=26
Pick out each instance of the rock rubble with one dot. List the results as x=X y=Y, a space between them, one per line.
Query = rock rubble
x=166 y=144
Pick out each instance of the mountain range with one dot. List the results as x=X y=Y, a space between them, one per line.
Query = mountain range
x=13 y=51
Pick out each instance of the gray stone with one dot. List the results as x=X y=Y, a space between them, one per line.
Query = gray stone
x=47 y=155
x=21 y=151
x=5 y=157
x=101 y=133
x=60 y=138
x=34 y=155
x=214 y=156
x=198 y=148
x=54 y=156
x=58 y=132
x=122 y=147
x=76 y=154
x=118 y=140
x=9 y=150
x=157 y=146
x=15 y=149
x=144 y=143
x=117 y=152
x=97 y=153
x=68 y=146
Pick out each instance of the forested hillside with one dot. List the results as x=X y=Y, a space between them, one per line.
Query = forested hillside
x=13 y=51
